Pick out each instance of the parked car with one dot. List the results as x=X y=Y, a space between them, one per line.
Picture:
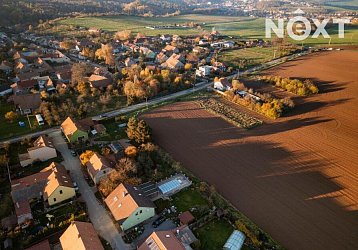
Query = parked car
x=73 y=153
x=158 y=221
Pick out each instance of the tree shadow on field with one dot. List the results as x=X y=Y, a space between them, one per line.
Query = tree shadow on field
x=285 y=192
x=303 y=106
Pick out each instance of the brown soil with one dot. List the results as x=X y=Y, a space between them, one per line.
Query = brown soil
x=296 y=177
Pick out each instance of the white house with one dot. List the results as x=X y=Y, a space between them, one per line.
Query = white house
x=204 y=70
x=98 y=167
x=42 y=150
x=222 y=84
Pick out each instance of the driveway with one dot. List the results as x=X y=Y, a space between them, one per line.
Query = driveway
x=97 y=213
x=149 y=229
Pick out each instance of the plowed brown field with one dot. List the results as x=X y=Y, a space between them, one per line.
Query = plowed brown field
x=296 y=177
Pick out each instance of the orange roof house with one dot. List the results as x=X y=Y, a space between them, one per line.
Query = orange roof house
x=76 y=130
x=162 y=240
x=59 y=186
x=97 y=81
x=98 y=167
x=80 y=236
x=129 y=206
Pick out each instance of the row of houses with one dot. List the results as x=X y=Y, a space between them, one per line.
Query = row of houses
x=78 y=236
x=52 y=185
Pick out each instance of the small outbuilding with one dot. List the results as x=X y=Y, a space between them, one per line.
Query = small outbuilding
x=235 y=241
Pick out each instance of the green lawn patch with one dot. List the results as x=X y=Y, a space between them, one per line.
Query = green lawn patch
x=187 y=199
x=10 y=129
x=161 y=205
x=214 y=234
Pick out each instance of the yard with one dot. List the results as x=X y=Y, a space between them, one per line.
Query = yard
x=214 y=234
x=190 y=198
x=8 y=129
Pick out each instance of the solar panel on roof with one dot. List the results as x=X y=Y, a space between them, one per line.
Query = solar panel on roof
x=169 y=186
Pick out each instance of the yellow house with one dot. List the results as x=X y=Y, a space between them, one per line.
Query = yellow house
x=59 y=186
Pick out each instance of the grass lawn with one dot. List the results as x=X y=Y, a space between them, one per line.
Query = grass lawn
x=61 y=214
x=254 y=56
x=187 y=199
x=8 y=129
x=161 y=205
x=244 y=27
x=113 y=131
x=214 y=234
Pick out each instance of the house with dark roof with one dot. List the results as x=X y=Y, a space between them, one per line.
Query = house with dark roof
x=80 y=236
x=23 y=87
x=129 y=206
x=26 y=104
x=98 y=167
x=23 y=212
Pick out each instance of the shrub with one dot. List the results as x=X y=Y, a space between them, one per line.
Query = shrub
x=294 y=86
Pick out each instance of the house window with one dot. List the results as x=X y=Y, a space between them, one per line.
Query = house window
x=61 y=192
x=54 y=199
x=104 y=171
x=140 y=211
x=136 y=213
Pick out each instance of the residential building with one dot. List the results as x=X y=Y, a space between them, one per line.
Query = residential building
x=129 y=206
x=162 y=240
x=98 y=167
x=23 y=212
x=204 y=70
x=59 y=186
x=169 y=50
x=30 y=187
x=76 y=131
x=6 y=67
x=80 y=236
x=98 y=81
x=222 y=84
x=42 y=150
x=27 y=104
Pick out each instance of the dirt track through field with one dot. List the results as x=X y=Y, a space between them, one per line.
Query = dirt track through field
x=296 y=177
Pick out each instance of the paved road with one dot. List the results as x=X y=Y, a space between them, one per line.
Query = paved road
x=97 y=213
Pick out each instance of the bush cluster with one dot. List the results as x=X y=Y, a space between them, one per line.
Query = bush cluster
x=268 y=106
x=294 y=86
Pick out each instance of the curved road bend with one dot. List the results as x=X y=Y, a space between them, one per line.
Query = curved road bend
x=99 y=216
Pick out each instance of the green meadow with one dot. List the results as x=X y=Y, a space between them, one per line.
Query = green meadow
x=244 y=27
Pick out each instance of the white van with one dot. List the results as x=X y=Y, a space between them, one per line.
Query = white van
x=40 y=120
